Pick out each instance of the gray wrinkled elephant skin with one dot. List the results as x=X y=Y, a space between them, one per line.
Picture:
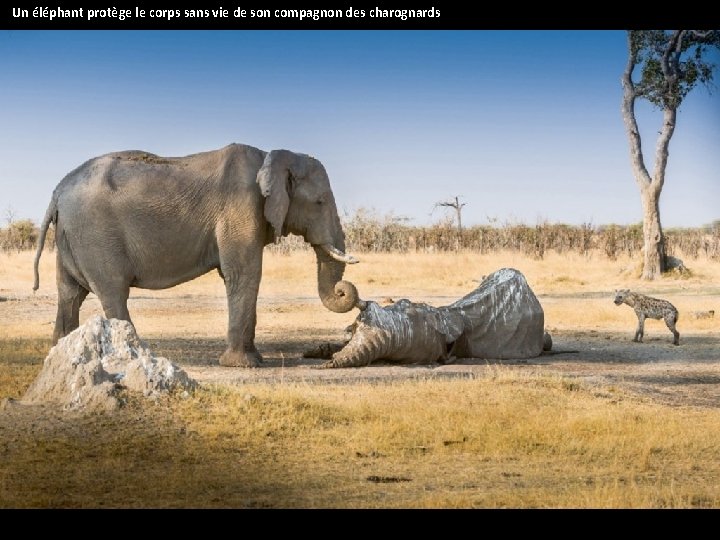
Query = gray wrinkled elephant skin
x=134 y=219
x=501 y=319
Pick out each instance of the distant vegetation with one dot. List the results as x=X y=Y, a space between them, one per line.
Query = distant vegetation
x=22 y=234
x=368 y=232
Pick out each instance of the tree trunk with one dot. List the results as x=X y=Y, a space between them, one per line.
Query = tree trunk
x=653 y=238
x=650 y=186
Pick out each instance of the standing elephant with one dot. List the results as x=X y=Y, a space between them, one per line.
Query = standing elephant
x=134 y=219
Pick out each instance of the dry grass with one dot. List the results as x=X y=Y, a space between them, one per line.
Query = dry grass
x=512 y=438
x=515 y=440
x=576 y=291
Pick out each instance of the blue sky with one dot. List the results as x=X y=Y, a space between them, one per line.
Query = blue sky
x=523 y=126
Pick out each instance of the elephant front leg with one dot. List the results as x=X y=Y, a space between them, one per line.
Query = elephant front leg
x=242 y=318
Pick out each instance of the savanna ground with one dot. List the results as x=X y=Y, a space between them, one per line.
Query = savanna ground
x=599 y=422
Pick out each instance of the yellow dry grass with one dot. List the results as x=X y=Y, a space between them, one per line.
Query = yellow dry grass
x=514 y=438
x=576 y=291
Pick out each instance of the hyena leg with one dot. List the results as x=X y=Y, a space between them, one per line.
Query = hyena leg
x=670 y=320
x=640 y=329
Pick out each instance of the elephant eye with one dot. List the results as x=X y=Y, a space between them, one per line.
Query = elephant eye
x=319 y=201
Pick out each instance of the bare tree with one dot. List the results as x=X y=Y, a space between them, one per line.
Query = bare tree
x=10 y=215
x=458 y=212
x=671 y=64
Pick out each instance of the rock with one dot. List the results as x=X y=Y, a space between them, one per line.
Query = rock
x=676 y=265
x=94 y=365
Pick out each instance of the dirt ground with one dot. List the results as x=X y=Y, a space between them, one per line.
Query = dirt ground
x=592 y=338
x=687 y=375
x=684 y=375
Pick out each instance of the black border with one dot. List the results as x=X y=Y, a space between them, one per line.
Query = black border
x=473 y=16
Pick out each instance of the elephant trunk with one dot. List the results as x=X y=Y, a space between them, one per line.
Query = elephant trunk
x=336 y=294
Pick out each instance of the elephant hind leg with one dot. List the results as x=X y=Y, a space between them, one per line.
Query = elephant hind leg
x=70 y=297
x=114 y=302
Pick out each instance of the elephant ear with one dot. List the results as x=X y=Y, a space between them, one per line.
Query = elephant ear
x=275 y=178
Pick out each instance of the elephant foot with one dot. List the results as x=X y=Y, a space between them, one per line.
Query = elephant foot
x=330 y=364
x=343 y=362
x=232 y=358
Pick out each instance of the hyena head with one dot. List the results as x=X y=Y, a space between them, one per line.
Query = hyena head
x=620 y=295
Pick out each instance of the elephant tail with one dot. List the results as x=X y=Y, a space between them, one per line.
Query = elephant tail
x=50 y=217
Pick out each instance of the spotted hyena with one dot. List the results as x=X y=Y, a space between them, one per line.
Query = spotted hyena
x=648 y=307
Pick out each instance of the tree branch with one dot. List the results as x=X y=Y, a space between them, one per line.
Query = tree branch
x=628 y=111
x=670 y=65
x=661 y=151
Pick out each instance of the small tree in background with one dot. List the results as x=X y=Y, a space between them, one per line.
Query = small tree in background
x=672 y=63
x=457 y=206
x=20 y=234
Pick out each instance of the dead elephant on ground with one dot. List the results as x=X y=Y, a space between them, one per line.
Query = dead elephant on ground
x=501 y=319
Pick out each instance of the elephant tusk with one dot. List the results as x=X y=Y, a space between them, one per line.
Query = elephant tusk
x=338 y=255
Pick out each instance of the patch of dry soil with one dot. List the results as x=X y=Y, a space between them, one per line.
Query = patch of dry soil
x=684 y=375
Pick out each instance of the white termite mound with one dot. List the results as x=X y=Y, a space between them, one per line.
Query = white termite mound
x=93 y=366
